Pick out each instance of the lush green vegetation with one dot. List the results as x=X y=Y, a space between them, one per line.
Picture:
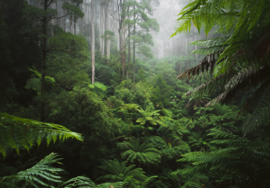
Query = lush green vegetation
x=83 y=105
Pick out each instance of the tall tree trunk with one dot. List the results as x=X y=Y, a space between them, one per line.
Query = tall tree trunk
x=119 y=29
x=123 y=50
x=129 y=51
x=134 y=44
x=164 y=48
x=173 y=21
x=108 y=38
x=43 y=62
x=187 y=52
x=74 y=26
x=103 y=31
x=101 y=28
x=93 y=40
x=70 y=24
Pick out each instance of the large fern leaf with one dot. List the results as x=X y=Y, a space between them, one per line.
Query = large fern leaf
x=43 y=174
x=18 y=132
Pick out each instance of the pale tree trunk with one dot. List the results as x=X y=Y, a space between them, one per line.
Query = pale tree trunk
x=108 y=28
x=74 y=22
x=118 y=34
x=101 y=29
x=103 y=23
x=93 y=40
x=129 y=50
x=134 y=45
x=164 y=47
x=123 y=50
x=173 y=20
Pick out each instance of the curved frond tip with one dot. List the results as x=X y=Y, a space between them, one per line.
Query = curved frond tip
x=16 y=132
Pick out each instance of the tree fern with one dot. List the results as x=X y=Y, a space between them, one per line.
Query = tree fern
x=16 y=132
x=85 y=182
x=262 y=110
x=242 y=61
x=43 y=174
x=143 y=153
x=244 y=161
x=118 y=171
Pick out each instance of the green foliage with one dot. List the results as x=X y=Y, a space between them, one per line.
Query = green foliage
x=142 y=153
x=35 y=83
x=98 y=88
x=237 y=158
x=115 y=113
x=118 y=171
x=16 y=132
x=82 y=181
x=229 y=57
x=161 y=92
x=43 y=174
x=79 y=182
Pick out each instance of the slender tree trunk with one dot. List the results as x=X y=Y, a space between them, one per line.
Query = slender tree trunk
x=196 y=48
x=129 y=51
x=119 y=29
x=101 y=28
x=173 y=21
x=74 y=26
x=103 y=31
x=108 y=38
x=134 y=44
x=164 y=48
x=93 y=41
x=43 y=62
x=123 y=50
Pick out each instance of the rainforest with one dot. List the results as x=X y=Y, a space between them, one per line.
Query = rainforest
x=134 y=93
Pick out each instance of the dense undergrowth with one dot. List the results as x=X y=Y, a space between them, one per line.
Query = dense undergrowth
x=140 y=131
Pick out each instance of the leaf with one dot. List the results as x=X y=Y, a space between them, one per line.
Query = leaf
x=16 y=132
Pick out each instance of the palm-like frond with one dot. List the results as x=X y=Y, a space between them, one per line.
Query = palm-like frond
x=85 y=182
x=240 y=59
x=143 y=153
x=207 y=63
x=245 y=161
x=16 y=132
x=43 y=174
x=79 y=182
x=261 y=113
x=118 y=171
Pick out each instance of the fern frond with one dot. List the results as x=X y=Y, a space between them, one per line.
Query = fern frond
x=261 y=112
x=207 y=63
x=143 y=153
x=38 y=175
x=119 y=172
x=16 y=132
x=79 y=182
